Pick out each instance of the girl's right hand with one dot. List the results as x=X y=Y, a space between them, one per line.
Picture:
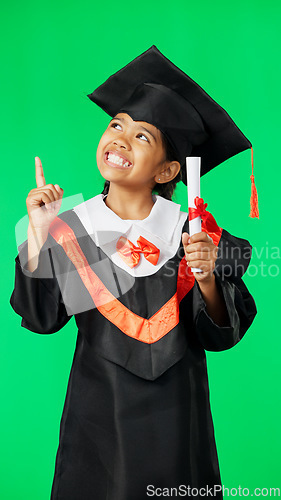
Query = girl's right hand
x=43 y=203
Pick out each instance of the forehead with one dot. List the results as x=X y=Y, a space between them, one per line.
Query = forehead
x=124 y=117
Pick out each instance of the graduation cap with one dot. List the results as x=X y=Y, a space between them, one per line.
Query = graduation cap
x=152 y=89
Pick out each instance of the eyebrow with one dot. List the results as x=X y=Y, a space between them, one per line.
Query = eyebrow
x=140 y=126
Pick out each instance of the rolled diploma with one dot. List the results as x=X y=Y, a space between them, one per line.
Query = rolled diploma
x=193 y=164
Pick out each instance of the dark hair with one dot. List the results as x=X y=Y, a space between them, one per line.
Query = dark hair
x=166 y=189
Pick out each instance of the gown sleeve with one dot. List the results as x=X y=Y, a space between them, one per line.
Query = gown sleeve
x=233 y=259
x=37 y=296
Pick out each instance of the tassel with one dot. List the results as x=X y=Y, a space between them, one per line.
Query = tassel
x=254 y=195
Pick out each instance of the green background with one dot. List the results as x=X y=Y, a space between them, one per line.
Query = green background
x=53 y=54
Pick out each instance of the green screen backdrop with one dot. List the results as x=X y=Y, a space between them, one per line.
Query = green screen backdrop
x=52 y=55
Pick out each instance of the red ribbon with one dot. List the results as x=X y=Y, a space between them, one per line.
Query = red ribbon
x=209 y=222
x=130 y=253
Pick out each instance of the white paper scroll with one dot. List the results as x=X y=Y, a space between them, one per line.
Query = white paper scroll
x=193 y=165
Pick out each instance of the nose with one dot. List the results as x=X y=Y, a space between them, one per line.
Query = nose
x=122 y=141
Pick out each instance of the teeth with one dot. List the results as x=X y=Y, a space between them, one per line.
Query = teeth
x=117 y=160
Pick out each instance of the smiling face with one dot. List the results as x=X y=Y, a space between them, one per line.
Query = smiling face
x=131 y=153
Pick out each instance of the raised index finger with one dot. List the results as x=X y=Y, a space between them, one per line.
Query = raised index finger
x=39 y=174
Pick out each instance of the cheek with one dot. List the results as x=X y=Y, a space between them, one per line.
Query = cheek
x=98 y=151
x=100 y=148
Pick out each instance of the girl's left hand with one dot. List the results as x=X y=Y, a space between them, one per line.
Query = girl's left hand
x=200 y=252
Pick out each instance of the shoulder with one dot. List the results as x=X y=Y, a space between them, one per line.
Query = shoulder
x=170 y=213
x=84 y=212
x=173 y=214
x=84 y=206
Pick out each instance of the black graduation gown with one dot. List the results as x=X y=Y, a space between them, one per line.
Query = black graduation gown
x=137 y=415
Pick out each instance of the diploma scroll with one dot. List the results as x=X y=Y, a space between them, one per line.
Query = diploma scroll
x=193 y=165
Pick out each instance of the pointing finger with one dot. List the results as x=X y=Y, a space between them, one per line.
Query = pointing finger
x=39 y=174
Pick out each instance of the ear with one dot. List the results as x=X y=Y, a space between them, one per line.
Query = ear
x=169 y=173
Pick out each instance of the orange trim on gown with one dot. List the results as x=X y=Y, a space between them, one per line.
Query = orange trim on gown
x=142 y=329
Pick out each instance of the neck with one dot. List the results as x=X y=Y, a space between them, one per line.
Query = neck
x=135 y=205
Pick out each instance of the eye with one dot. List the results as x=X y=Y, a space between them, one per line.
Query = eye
x=115 y=123
x=144 y=137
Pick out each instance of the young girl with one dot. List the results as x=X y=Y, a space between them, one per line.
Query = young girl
x=136 y=420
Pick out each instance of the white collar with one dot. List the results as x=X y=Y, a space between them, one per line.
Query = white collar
x=162 y=227
x=97 y=217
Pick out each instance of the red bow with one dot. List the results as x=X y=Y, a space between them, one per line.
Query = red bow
x=130 y=253
x=209 y=222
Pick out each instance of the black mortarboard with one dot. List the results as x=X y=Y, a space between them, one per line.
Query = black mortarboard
x=152 y=89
